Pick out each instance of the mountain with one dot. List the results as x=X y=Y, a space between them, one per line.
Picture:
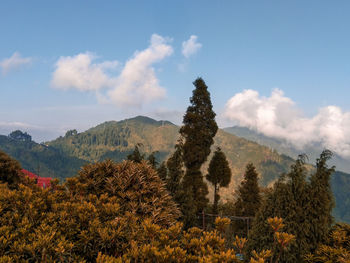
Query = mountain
x=43 y=160
x=116 y=139
x=282 y=146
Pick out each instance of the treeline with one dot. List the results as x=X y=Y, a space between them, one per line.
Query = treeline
x=142 y=211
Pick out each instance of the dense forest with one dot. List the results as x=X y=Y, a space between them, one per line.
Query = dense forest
x=140 y=210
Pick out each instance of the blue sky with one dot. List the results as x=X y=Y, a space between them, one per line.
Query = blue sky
x=72 y=64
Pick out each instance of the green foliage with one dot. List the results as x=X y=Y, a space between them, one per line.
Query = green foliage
x=10 y=170
x=136 y=155
x=219 y=175
x=40 y=159
x=248 y=199
x=162 y=171
x=198 y=130
x=175 y=167
x=295 y=199
x=20 y=136
x=335 y=249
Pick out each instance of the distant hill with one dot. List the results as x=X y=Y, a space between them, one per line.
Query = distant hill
x=43 y=160
x=116 y=139
x=282 y=146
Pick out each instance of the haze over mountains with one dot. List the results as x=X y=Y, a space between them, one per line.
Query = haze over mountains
x=114 y=140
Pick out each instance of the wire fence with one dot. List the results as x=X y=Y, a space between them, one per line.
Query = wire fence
x=239 y=225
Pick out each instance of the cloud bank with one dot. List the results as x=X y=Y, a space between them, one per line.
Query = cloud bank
x=190 y=46
x=13 y=63
x=278 y=116
x=136 y=84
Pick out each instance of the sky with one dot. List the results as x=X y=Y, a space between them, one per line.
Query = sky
x=278 y=67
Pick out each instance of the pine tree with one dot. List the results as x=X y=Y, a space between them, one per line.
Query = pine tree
x=136 y=155
x=153 y=160
x=198 y=130
x=248 y=198
x=219 y=175
x=175 y=167
x=289 y=199
x=321 y=200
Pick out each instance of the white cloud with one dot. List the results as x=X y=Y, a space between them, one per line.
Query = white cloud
x=81 y=73
x=190 y=46
x=137 y=83
x=278 y=116
x=14 y=62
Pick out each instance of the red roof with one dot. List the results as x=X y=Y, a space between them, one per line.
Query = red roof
x=41 y=181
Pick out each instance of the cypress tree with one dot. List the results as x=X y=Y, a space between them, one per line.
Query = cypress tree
x=198 y=130
x=321 y=201
x=248 y=198
x=136 y=155
x=152 y=160
x=175 y=169
x=219 y=175
x=289 y=199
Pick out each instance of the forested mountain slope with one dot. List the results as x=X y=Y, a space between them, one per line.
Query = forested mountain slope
x=40 y=159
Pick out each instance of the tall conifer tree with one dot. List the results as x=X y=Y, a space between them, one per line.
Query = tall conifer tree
x=248 y=198
x=321 y=200
x=305 y=207
x=219 y=175
x=198 y=130
x=175 y=171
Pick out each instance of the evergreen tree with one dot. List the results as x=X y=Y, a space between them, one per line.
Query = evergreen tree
x=219 y=175
x=198 y=130
x=321 y=200
x=162 y=171
x=136 y=155
x=152 y=160
x=248 y=198
x=176 y=172
x=289 y=199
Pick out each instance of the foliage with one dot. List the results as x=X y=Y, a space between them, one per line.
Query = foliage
x=175 y=167
x=136 y=155
x=198 y=130
x=40 y=159
x=102 y=210
x=321 y=200
x=219 y=175
x=294 y=199
x=335 y=249
x=248 y=199
x=20 y=136
x=162 y=171
x=10 y=170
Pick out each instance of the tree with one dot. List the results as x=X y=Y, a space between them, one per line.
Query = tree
x=176 y=172
x=248 y=199
x=152 y=159
x=321 y=200
x=219 y=175
x=198 y=130
x=136 y=155
x=20 y=136
x=162 y=171
x=10 y=170
x=305 y=206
